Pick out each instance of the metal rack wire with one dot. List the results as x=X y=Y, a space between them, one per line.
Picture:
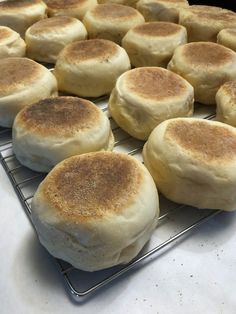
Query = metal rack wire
x=79 y=283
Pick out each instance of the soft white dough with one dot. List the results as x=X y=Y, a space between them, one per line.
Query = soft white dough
x=11 y=44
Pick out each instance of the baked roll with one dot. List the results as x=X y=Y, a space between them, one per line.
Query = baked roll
x=75 y=8
x=206 y=66
x=161 y=10
x=11 y=44
x=90 y=68
x=46 y=38
x=153 y=43
x=193 y=162
x=144 y=97
x=111 y=21
x=96 y=210
x=203 y=22
x=54 y=129
x=226 y=103
x=227 y=38
x=20 y=15
x=22 y=82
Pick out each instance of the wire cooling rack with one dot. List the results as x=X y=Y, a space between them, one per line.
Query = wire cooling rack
x=175 y=221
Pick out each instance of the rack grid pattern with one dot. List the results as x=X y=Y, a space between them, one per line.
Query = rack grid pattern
x=79 y=283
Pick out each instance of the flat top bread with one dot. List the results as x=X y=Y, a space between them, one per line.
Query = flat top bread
x=62 y=4
x=200 y=137
x=51 y=24
x=113 y=11
x=117 y=179
x=155 y=29
x=16 y=73
x=89 y=49
x=59 y=115
x=16 y=4
x=154 y=83
x=208 y=54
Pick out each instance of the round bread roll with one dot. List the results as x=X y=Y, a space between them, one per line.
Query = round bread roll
x=226 y=103
x=144 y=97
x=89 y=68
x=75 y=8
x=46 y=38
x=111 y=21
x=11 y=44
x=53 y=129
x=131 y=3
x=161 y=10
x=19 y=15
x=203 y=22
x=96 y=210
x=227 y=38
x=206 y=66
x=153 y=44
x=22 y=82
x=193 y=161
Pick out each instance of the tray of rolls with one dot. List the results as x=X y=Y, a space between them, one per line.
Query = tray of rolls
x=117 y=132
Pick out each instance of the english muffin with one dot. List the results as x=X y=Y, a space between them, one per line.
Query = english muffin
x=203 y=22
x=75 y=8
x=89 y=68
x=144 y=97
x=53 y=129
x=206 y=66
x=161 y=10
x=153 y=43
x=193 y=162
x=227 y=38
x=46 y=38
x=20 y=15
x=111 y=21
x=226 y=103
x=22 y=82
x=96 y=210
x=11 y=44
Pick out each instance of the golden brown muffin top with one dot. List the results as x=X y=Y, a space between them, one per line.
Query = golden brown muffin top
x=113 y=11
x=59 y=116
x=18 y=74
x=63 y=4
x=154 y=83
x=92 y=186
x=51 y=24
x=207 y=54
x=85 y=50
x=207 y=140
x=153 y=29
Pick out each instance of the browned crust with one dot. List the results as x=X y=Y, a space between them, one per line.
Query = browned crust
x=59 y=116
x=92 y=186
x=207 y=53
x=207 y=142
x=211 y=13
x=173 y=1
x=229 y=88
x=5 y=32
x=158 y=29
x=89 y=49
x=64 y=4
x=113 y=11
x=17 y=73
x=52 y=23
x=14 y=4
x=154 y=83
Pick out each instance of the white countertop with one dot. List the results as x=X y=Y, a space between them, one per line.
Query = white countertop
x=197 y=275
